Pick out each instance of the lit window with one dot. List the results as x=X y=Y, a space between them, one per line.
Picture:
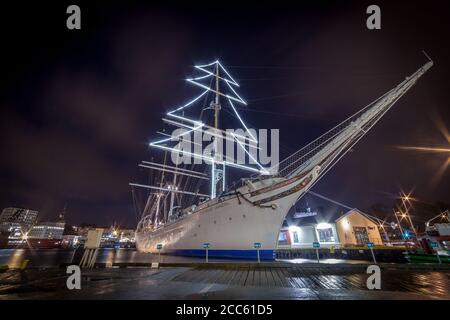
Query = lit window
x=326 y=235
x=295 y=236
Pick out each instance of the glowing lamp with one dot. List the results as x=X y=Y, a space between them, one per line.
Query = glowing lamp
x=323 y=225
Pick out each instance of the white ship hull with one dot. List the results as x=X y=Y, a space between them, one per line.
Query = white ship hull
x=231 y=224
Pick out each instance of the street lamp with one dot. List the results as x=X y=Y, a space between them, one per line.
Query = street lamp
x=405 y=214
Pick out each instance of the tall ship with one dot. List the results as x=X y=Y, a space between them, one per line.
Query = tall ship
x=190 y=206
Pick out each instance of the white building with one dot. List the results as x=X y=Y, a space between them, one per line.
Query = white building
x=17 y=220
x=357 y=228
x=47 y=230
x=353 y=228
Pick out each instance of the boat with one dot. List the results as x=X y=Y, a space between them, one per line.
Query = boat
x=434 y=242
x=243 y=219
x=422 y=257
x=44 y=243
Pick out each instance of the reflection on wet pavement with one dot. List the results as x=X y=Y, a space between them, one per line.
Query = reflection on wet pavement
x=290 y=279
x=312 y=278
x=296 y=282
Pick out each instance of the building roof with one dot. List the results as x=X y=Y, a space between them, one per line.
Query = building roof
x=357 y=211
x=326 y=217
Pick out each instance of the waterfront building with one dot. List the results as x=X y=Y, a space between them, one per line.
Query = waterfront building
x=127 y=236
x=357 y=228
x=114 y=237
x=47 y=230
x=353 y=228
x=71 y=241
x=17 y=221
x=307 y=226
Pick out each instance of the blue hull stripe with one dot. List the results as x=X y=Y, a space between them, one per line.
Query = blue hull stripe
x=230 y=254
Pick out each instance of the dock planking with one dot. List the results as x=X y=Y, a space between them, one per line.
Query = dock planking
x=302 y=277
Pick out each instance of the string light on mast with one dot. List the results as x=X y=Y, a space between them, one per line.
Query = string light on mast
x=214 y=74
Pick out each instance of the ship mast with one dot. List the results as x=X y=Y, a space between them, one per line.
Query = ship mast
x=214 y=73
x=215 y=172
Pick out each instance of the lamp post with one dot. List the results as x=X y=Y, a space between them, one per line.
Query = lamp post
x=399 y=225
x=159 y=247
x=406 y=200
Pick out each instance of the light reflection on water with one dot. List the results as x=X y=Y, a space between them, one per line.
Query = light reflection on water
x=47 y=258
x=429 y=283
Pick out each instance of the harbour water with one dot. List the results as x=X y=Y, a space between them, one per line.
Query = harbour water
x=49 y=258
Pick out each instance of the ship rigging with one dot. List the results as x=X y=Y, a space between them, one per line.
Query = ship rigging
x=180 y=217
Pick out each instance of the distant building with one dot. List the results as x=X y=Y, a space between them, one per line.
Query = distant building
x=83 y=231
x=127 y=235
x=336 y=229
x=116 y=237
x=71 y=241
x=47 y=230
x=17 y=220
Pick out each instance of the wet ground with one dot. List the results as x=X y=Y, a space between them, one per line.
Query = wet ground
x=225 y=281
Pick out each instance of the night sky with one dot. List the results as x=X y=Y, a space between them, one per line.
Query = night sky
x=78 y=108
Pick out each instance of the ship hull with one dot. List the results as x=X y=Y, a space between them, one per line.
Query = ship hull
x=231 y=225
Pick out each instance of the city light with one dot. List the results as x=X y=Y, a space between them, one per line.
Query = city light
x=346 y=225
x=294 y=228
x=443 y=150
x=323 y=225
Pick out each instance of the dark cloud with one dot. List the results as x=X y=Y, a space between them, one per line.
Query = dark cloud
x=80 y=108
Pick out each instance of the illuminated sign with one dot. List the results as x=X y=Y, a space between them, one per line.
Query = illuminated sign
x=304 y=214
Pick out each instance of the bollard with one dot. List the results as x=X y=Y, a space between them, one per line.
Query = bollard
x=206 y=247
x=370 y=245
x=23 y=264
x=257 y=246
x=159 y=247
x=373 y=255
x=317 y=246
x=23 y=274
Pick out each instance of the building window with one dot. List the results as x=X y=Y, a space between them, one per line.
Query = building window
x=326 y=235
x=283 y=238
x=361 y=235
x=295 y=236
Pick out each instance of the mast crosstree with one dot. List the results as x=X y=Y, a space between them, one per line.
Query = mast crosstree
x=215 y=80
